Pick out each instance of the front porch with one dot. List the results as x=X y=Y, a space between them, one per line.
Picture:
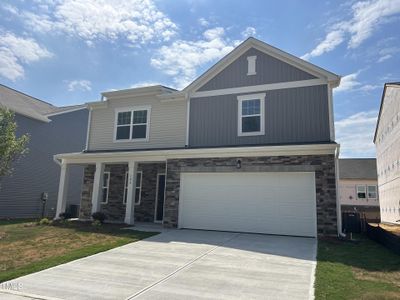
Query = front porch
x=113 y=189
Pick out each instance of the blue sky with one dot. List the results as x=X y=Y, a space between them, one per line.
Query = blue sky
x=67 y=52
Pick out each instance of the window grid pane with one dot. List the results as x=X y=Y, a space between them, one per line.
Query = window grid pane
x=251 y=107
x=124 y=118
x=139 y=117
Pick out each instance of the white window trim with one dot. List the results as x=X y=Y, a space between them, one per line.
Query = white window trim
x=132 y=109
x=137 y=201
x=376 y=192
x=140 y=188
x=242 y=98
x=365 y=191
x=107 y=187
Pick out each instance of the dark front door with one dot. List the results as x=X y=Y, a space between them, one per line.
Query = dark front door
x=160 y=198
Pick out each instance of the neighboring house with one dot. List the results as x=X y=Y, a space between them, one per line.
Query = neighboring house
x=358 y=186
x=387 y=142
x=248 y=146
x=51 y=130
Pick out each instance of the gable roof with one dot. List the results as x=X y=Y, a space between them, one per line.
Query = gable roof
x=357 y=168
x=390 y=84
x=31 y=107
x=268 y=49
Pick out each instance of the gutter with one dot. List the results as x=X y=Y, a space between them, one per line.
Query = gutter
x=56 y=160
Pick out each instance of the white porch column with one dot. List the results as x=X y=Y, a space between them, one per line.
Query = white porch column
x=97 y=187
x=130 y=199
x=62 y=190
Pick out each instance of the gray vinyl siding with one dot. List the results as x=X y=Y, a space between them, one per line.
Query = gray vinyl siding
x=268 y=69
x=167 y=125
x=295 y=115
x=36 y=172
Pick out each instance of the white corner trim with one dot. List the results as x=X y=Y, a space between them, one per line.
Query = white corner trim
x=88 y=128
x=187 y=120
x=132 y=109
x=251 y=65
x=242 y=98
x=331 y=113
x=260 y=88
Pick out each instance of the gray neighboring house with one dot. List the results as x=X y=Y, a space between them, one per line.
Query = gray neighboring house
x=52 y=130
x=249 y=146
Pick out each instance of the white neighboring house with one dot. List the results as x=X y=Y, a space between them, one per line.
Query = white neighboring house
x=387 y=142
x=358 y=186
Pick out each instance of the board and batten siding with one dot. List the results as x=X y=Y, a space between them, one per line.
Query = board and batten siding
x=294 y=115
x=167 y=125
x=268 y=70
x=36 y=172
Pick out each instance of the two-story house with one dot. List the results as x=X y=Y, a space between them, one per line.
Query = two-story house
x=31 y=190
x=358 y=187
x=387 y=142
x=248 y=146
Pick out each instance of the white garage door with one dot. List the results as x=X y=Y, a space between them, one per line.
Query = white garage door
x=275 y=203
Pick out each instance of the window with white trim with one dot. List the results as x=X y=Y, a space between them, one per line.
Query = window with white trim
x=361 y=191
x=132 y=124
x=372 y=191
x=105 y=187
x=138 y=188
x=251 y=119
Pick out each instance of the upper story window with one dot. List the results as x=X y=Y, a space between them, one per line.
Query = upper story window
x=251 y=118
x=361 y=192
x=132 y=124
x=372 y=192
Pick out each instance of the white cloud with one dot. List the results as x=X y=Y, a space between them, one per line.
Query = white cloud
x=249 y=31
x=182 y=58
x=331 y=41
x=387 y=53
x=348 y=82
x=15 y=52
x=355 y=134
x=144 y=84
x=79 y=85
x=138 y=21
x=370 y=87
x=203 y=22
x=366 y=17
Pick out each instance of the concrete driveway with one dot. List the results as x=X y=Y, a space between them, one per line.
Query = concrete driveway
x=182 y=264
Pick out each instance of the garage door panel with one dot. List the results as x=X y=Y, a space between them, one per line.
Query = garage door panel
x=276 y=203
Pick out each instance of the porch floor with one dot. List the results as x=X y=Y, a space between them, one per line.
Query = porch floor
x=149 y=227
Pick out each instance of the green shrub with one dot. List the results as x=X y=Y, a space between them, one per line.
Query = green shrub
x=96 y=223
x=99 y=216
x=44 y=221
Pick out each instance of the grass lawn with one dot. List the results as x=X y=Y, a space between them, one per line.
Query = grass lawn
x=26 y=247
x=363 y=270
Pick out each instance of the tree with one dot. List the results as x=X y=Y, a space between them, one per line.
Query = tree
x=11 y=147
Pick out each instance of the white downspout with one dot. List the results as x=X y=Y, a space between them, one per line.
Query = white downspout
x=338 y=208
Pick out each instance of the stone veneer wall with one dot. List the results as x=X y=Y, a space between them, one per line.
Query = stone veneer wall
x=322 y=165
x=115 y=208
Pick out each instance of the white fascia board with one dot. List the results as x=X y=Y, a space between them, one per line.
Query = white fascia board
x=163 y=155
x=260 y=88
x=66 y=111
